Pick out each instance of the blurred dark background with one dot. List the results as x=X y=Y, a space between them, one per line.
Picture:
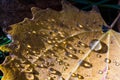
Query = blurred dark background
x=14 y=11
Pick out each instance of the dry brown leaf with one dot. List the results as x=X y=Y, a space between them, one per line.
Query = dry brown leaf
x=66 y=45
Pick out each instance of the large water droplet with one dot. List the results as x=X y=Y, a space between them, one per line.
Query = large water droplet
x=95 y=45
x=98 y=46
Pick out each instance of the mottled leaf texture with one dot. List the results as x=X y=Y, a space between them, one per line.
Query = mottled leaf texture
x=65 y=45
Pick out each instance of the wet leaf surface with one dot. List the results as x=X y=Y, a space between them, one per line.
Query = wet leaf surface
x=64 y=45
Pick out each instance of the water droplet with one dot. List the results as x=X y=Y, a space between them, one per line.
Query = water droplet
x=80 y=77
x=49 y=41
x=42 y=66
x=60 y=61
x=95 y=45
x=55 y=72
x=29 y=76
x=117 y=64
x=64 y=42
x=34 y=51
x=107 y=60
x=82 y=44
x=69 y=46
x=34 y=32
x=53 y=34
x=99 y=56
x=17 y=65
x=86 y=64
x=29 y=69
x=100 y=72
x=71 y=55
x=81 y=52
x=28 y=46
x=73 y=75
x=61 y=34
x=50 y=78
x=56 y=45
x=66 y=64
x=79 y=25
x=53 y=20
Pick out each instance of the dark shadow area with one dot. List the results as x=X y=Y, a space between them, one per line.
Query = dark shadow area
x=14 y=11
x=1 y=75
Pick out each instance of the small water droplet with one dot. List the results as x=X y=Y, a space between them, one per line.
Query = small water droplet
x=55 y=72
x=17 y=65
x=42 y=66
x=28 y=46
x=79 y=25
x=60 y=61
x=56 y=45
x=82 y=44
x=71 y=55
x=49 y=41
x=117 y=64
x=34 y=32
x=78 y=76
x=29 y=76
x=34 y=51
x=53 y=34
x=99 y=56
x=66 y=64
x=50 y=78
x=107 y=60
x=29 y=69
x=61 y=35
x=86 y=64
x=53 y=20
x=81 y=52
x=100 y=72
x=73 y=75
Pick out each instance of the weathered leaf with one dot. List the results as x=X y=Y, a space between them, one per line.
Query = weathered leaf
x=66 y=45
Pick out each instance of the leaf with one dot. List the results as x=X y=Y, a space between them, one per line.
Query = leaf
x=64 y=45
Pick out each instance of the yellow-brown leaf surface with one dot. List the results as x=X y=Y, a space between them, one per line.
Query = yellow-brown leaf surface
x=65 y=45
